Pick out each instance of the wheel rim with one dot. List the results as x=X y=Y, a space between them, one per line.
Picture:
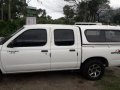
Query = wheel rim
x=94 y=71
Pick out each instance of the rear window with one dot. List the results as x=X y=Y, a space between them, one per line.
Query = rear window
x=113 y=36
x=95 y=35
x=98 y=35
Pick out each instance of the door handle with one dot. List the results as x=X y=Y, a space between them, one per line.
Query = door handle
x=72 y=50
x=44 y=50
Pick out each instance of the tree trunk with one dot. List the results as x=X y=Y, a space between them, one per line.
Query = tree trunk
x=9 y=10
x=2 y=12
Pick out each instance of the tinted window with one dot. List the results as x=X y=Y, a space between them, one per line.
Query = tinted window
x=8 y=37
x=36 y=37
x=64 y=37
x=95 y=35
x=113 y=36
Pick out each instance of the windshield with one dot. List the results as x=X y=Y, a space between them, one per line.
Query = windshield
x=3 y=40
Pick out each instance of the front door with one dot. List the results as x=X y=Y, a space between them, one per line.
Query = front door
x=29 y=51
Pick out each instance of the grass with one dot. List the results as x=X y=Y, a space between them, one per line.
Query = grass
x=109 y=82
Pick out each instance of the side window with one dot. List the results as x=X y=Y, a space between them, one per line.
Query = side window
x=64 y=37
x=113 y=36
x=95 y=35
x=30 y=38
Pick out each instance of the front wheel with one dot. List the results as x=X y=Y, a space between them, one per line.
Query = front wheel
x=93 y=70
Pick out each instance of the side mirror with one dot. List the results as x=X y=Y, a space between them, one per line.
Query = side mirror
x=11 y=44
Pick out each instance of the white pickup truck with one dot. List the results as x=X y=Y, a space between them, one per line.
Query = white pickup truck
x=89 y=48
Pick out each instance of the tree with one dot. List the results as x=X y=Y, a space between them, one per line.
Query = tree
x=18 y=8
x=12 y=9
x=9 y=9
x=116 y=19
x=43 y=18
x=82 y=12
x=93 y=6
x=69 y=13
x=86 y=10
x=61 y=20
x=1 y=6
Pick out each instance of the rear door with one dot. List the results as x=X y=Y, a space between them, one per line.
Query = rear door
x=63 y=48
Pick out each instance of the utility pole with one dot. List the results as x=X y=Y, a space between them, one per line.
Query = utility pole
x=9 y=10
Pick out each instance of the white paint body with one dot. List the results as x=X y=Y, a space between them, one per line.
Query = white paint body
x=31 y=59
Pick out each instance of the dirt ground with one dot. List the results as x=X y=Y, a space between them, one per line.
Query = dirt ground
x=62 y=80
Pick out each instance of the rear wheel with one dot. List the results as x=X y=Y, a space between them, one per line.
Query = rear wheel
x=93 y=70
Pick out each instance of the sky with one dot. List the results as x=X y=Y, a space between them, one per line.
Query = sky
x=54 y=8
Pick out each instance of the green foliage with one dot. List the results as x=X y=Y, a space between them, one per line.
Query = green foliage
x=82 y=13
x=68 y=11
x=116 y=19
x=78 y=11
x=61 y=20
x=8 y=27
x=17 y=8
x=69 y=14
x=86 y=10
x=43 y=18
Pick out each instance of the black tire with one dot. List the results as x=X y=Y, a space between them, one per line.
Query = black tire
x=93 y=70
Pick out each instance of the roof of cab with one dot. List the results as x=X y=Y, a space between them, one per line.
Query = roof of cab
x=80 y=26
x=49 y=25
